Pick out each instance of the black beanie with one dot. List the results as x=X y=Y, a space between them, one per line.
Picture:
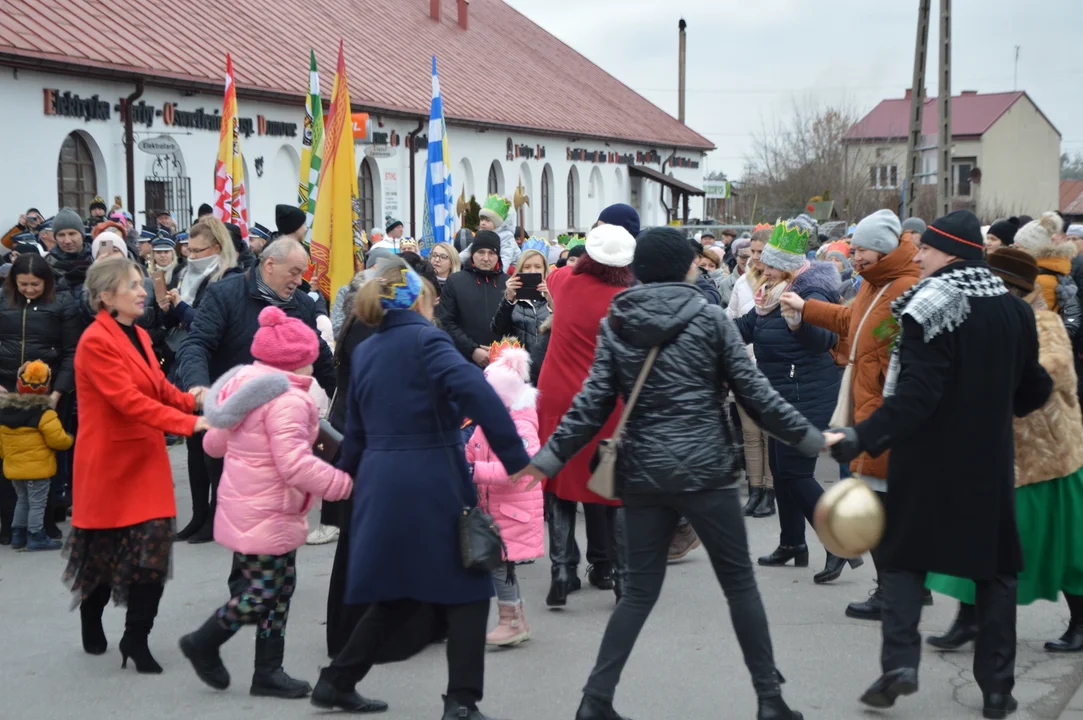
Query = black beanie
x=485 y=239
x=205 y=209
x=957 y=233
x=662 y=254
x=289 y=218
x=1005 y=230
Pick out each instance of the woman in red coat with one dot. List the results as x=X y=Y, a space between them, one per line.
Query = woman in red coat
x=122 y=492
x=581 y=296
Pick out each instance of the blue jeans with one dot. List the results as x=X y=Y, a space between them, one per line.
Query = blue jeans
x=32 y=497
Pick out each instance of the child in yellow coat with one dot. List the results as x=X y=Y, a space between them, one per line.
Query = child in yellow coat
x=30 y=436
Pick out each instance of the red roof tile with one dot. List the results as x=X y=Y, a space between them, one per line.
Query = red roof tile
x=971 y=116
x=505 y=70
x=1071 y=197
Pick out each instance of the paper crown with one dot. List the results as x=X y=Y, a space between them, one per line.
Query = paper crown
x=408 y=245
x=496 y=349
x=402 y=294
x=33 y=378
x=791 y=238
x=574 y=242
x=498 y=205
x=535 y=243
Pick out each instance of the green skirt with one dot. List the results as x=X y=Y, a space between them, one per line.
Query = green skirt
x=1050 y=519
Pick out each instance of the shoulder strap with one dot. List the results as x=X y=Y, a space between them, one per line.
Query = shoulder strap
x=640 y=381
x=868 y=311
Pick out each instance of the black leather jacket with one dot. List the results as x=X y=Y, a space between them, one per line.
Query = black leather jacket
x=678 y=438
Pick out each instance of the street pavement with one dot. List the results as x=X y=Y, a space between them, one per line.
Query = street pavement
x=686 y=665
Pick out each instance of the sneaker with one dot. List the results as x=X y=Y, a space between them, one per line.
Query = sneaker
x=41 y=541
x=322 y=535
x=18 y=538
x=684 y=541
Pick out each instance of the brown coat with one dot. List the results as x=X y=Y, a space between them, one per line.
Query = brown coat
x=1056 y=259
x=1049 y=441
x=873 y=347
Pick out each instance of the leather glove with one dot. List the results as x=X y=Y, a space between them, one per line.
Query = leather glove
x=848 y=448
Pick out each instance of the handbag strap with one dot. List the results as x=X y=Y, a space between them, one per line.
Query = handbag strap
x=868 y=311
x=640 y=381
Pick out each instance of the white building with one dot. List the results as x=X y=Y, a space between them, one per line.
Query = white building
x=530 y=110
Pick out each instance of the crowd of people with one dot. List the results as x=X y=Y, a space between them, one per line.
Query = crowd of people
x=939 y=363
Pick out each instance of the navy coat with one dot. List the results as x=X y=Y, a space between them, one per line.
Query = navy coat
x=799 y=363
x=409 y=391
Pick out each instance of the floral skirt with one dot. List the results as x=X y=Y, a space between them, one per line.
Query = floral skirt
x=118 y=558
x=1050 y=519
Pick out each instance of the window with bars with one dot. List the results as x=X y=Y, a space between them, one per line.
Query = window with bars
x=884 y=177
x=366 y=196
x=76 y=178
x=962 y=170
x=546 y=180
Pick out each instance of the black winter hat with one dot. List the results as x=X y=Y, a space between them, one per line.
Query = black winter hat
x=289 y=218
x=205 y=209
x=662 y=254
x=486 y=239
x=1005 y=230
x=957 y=233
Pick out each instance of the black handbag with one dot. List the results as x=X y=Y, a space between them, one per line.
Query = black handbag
x=480 y=545
x=327 y=443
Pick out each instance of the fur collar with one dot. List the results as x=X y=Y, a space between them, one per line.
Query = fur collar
x=252 y=393
x=1064 y=250
x=527 y=398
x=820 y=276
x=11 y=400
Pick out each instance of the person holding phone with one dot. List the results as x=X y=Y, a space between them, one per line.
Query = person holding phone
x=526 y=301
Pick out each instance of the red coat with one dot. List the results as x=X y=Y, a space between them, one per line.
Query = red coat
x=579 y=304
x=122 y=474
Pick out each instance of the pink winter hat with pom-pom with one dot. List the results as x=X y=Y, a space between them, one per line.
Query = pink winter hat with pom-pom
x=508 y=374
x=283 y=342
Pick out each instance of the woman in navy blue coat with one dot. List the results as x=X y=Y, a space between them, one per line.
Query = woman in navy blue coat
x=409 y=392
x=796 y=358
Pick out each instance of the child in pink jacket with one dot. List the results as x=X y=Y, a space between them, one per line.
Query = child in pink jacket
x=518 y=512
x=264 y=423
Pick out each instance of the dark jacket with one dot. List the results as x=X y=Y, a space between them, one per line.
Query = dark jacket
x=677 y=438
x=70 y=269
x=798 y=363
x=708 y=288
x=537 y=354
x=520 y=320
x=221 y=335
x=951 y=481
x=354 y=332
x=39 y=331
x=467 y=305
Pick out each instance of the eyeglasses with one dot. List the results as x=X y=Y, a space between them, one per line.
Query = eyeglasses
x=439 y=256
x=200 y=251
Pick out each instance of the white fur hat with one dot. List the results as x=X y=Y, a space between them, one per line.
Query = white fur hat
x=611 y=245
x=1039 y=233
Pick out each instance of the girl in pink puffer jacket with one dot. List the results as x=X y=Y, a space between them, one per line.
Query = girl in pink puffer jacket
x=518 y=512
x=264 y=423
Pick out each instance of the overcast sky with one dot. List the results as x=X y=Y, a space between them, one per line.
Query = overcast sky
x=749 y=60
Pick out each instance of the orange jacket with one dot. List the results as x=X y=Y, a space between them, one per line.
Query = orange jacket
x=123 y=475
x=874 y=345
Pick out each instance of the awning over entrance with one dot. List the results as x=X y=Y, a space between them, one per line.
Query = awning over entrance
x=676 y=185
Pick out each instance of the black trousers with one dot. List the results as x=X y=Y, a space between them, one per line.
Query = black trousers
x=650 y=520
x=466 y=625
x=994 y=650
x=563 y=547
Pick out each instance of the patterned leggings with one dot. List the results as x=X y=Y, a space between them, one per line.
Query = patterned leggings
x=266 y=600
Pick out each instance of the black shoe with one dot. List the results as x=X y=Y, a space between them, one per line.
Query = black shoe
x=998 y=705
x=775 y=708
x=143 y=602
x=927 y=598
x=963 y=630
x=269 y=679
x=204 y=534
x=766 y=506
x=454 y=710
x=564 y=581
x=600 y=576
x=784 y=553
x=1070 y=642
x=52 y=531
x=5 y=536
x=593 y=708
x=193 y=526
x=890 y=685
x=833 y=568
x=90 y=620
x=327 y=697
x=755 y=494
x=869 y=609
x=201 y=649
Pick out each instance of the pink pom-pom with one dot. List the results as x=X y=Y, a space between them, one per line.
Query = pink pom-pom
x=517 y=360
x=271 y=316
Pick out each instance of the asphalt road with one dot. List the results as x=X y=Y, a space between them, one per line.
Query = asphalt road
x=686 y=665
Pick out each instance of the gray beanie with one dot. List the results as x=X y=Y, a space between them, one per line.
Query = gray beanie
x=914 y=224
x=68 y=219
x=879 y=232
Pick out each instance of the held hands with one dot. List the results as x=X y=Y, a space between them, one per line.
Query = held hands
x=480 y=357
x=201 y=425
x=793 y=301
x=844 y=443
x=511 y=288
x=530 y=471
x=199 y=393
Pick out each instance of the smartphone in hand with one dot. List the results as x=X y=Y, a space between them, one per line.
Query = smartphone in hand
x=529 y=290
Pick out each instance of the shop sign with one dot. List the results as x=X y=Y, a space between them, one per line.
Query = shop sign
x=379 y=151
x=68 y=105
x=522 y=150
x=650 y=157
x=161 y=145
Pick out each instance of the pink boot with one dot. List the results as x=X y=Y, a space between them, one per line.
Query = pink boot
x=512 y=628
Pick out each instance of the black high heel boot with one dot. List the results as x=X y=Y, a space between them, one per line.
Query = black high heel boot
x=593 y=708
x=784 y=553
x=775 y=708
x=766 y=506
x=561 y=549
x=963 y=630
x=143 y=602
x=755 y=494
x=833 y=568
x=90 y=620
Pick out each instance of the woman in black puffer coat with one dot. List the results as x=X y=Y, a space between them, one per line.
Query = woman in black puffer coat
x=521 y=318
x=36 y=323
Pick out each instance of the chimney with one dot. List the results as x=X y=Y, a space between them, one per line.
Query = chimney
x=681 y=25
x=434 y=10
x=464 y=7
x=909 y=93
x=970 y=92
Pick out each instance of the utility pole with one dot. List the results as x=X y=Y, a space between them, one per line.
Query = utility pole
x=1015 y=74
x=917 y=110
x=943 y=186
x=681 y=35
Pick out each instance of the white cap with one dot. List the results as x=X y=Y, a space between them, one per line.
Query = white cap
x=611 y=245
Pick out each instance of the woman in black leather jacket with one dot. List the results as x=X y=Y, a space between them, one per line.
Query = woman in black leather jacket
x=676 y=457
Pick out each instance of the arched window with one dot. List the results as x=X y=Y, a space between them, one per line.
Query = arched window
x=494 y=183
x=573 y=192
x=545 y=181
x=366 y=196
x=76 y=178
